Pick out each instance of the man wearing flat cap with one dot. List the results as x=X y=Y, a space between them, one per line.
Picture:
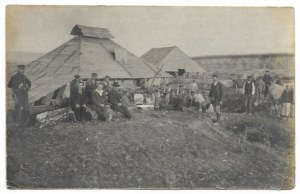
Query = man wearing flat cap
x=107 y=81
x=91 y=85
x=215 y=98
x=20 y=86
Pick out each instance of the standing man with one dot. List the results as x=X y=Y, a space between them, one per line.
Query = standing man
x=248 y=91
x=74 y=84
x=78 y=102
x=260 y=89
x=114 y=98
x=91 y=85
x=20 y=86
x=216 y=97
x=268 y=81
x=286 y=99
x=107 y=81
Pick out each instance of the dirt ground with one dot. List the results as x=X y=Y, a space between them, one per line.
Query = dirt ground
x=155 y=150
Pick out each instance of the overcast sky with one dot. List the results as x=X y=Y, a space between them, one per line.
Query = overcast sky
x=198 y=31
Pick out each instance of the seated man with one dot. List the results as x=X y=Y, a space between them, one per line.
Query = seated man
x=100 y=104
x=198 y=99
x=157 y=100
x=114 y=98
x=164 y=102
x=125 y=100
x=78 y=102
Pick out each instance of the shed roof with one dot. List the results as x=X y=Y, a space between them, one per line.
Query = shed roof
x=171 y=59
x=156 y=55
x=84 y=55
x=87 y=31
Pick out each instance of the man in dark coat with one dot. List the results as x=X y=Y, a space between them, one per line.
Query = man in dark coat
x=74 y=84
x=249 y=92
x=20 y=86
x=215 y=98
x=78 y=102
x=268 y=81
x=114 y=98
x=91 y=85
x=100 y=104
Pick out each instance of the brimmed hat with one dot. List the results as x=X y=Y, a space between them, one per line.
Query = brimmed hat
x=249 y=76
x=76 y=75
x=107 y=76
x=116 y=84
x=215 y=75
x=94 y=74
x=21 y=66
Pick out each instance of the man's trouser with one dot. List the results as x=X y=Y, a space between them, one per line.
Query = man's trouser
x=103 y=112
x=266 y=90
x=217 y=108
x=285 y=109
x=21 y=113
x=122 y=109
x=79 y=113
x=259 y=97
x=248 y=103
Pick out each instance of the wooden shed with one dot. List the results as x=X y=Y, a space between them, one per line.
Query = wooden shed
x=91 y=50
x=173 y=61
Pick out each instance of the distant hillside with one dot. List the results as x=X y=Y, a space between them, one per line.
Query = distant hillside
x=274 y=62
x=15 y=58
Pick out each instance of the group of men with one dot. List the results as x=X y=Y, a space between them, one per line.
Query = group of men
x=98 y=96
x=192 y=98
x=102 y=97
x=258 y=89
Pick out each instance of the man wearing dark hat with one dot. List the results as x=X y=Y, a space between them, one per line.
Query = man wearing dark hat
x=215 y=98
x=20 y=86
x=249 y=92
x=91 y=85
x=74 y=84
x=114 y=98
x=268 y=81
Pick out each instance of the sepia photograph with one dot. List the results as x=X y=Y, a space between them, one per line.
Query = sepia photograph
x=150 y=97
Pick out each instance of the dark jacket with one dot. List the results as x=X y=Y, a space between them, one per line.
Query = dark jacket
x=78 y=98
x=98 y=99
x=249 y=88
x=114 y=97
x=91 y=85
x=74 y=86
x=20 y=92
x=287 y=96
x=216 y=93
x=17 y=79
x=267 y=79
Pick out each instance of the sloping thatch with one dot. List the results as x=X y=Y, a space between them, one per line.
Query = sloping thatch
x=172 y=59
x=84 y=55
